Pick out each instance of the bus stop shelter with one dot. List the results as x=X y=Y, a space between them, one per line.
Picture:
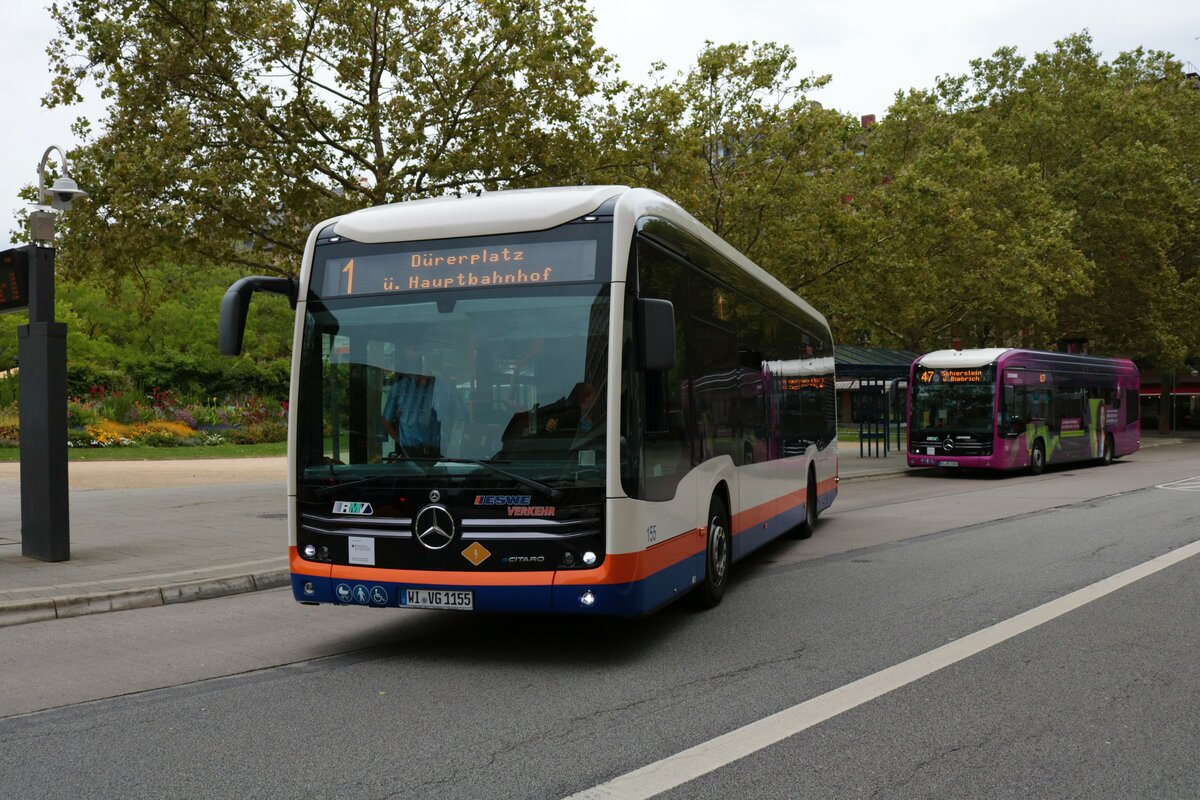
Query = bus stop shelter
x=871 y=383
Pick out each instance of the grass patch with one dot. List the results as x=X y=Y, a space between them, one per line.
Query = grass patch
x=161 y=453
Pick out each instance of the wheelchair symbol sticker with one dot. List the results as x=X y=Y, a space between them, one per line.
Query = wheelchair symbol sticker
x=379 y=595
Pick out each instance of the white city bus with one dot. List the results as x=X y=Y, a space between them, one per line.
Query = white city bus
x=575 y=399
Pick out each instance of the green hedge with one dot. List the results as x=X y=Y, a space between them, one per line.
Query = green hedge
x=189 y=376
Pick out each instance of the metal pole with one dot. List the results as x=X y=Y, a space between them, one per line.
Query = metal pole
x=42 y=351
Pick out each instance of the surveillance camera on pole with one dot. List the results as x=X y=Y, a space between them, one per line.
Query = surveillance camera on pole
x=62 y=194
x=42 y=349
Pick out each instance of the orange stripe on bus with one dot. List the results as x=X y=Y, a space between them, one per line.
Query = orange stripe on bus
x=299 y=566
x=617 y=567
x=756 y=515
x=442 y=578
x=631 y=567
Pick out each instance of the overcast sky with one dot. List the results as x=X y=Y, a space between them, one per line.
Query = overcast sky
x=872 y=48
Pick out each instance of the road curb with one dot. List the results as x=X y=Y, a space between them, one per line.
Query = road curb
x=23 y=611
x=874 y=476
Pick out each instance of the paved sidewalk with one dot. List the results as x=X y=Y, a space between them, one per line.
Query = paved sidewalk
x=148 y=533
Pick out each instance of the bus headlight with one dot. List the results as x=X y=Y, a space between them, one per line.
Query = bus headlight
x=310 y=551
x=587 y=599
x=589 y=558
x=309 y=589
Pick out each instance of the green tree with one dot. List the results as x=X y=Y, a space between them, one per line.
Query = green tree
x=234 y=126
x=958 y=244
x=1114 y=143
x=738 y=143
x=161 y=333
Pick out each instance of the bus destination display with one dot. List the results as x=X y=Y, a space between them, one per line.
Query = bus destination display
x=951 y=375
x=14 y=280
x=461 y=268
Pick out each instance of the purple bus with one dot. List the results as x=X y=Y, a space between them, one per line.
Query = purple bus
x=1007 y=409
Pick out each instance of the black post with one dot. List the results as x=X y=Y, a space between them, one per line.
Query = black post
x=42 y=351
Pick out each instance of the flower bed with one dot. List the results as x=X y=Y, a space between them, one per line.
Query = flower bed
x=107 y=418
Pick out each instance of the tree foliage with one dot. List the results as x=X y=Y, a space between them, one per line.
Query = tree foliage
x=1113 y=143
x=235 y=125
x=961 y=244
x=1021 y=202
x=737 y=141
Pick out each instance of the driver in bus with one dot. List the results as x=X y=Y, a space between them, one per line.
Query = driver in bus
x=410 y=415
x=580 y=408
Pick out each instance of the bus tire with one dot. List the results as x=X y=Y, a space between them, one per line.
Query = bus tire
x=718 y=555
x=805 y=529
x=1037 y=458
x=1106 y=455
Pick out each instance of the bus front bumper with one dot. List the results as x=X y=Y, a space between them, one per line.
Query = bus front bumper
x=965 y=462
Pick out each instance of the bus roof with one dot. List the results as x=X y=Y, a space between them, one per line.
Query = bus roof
x=509 y=211
x=1041 y=359
x=950 y=359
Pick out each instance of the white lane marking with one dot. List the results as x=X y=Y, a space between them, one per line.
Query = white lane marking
x=710 y=756
x=1185 y=485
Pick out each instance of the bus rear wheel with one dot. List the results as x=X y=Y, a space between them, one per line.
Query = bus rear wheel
x=1037 y=458
x=1106 y=455
x=718 y=554
x=805 y=529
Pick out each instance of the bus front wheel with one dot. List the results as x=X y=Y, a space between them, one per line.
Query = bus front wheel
x=718 y=554
x=1037 y=458
x=1106 y=455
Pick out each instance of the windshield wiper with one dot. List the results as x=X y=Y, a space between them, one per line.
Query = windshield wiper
x=549 y=491
x=370 y=478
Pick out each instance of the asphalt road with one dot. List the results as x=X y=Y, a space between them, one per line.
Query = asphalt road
x=254 y=696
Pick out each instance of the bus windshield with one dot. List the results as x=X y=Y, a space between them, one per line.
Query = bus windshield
x=956 y=407
x=505 y=382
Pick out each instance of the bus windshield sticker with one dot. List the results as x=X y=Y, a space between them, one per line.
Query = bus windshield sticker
x=362 y=550
x=461 y=268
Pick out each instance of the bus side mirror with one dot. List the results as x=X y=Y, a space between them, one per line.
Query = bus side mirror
x=236 y=303
x=657 y=339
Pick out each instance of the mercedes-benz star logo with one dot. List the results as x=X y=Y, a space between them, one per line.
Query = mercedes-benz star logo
x=948 y=445
x=434 y=527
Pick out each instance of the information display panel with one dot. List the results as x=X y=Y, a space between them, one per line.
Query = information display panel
x=957 y=375
x=14 y=280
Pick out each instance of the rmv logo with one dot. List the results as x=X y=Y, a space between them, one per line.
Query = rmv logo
x=361 y=509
